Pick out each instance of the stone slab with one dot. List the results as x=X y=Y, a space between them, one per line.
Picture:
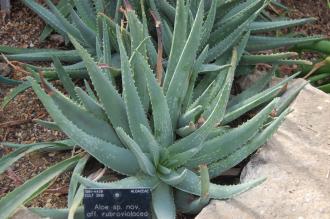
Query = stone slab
x=296 y=162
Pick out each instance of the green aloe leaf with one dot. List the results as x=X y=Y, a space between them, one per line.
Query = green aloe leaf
x=185 y=201
x=267 y=58
x=175 y=93
x=163 y=130
x=87 y=12
x=14 y=92
x=178 y=41
x=14 y=199
x=108 y=154
x=264 y=26
x=65 y=55
x=240 y=14
x=208 y=23
x=192 y=184
x=46 y=15
x=62 y=7
x=173 y=177
x=222 y=165
x=83 y=119
x=87 y=33
x=163 y=202
x=257 y=43
x=135 y=110
x=57 y=213
x=5 y=80
x=7 y=160
x=109 y=97
x=73 y=186
x=254 y=89
x=47 y=124
x=144 y=162
x=153 y=145
x=61 y=145
x=91 y=104
x=65 y=24
x=287 y=98
x=244 y=106
x=126 y=183
x=65 y=79
x=197 y=68
x=217 y=148
x=197 y=137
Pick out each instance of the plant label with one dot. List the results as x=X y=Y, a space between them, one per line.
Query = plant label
x=117 y=203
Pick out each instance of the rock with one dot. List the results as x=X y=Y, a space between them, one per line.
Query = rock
x=296 y=162
x=57 y=38
x=5 y=69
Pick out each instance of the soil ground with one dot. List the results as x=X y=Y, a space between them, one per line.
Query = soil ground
x=310 y=8
x=22 y=29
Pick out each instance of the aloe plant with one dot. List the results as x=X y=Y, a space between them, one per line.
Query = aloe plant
x=85 y=20
x=319 y=73
x=318 y=78
x=167 y=127
x=81 y=20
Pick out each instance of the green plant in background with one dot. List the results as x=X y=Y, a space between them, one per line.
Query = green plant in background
x=162 y=124
x=84 y=19
x=321 y=81
x=318 y=74
x=5 y=6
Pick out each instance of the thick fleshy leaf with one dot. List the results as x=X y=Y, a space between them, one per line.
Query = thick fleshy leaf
x=83 y=119
x=55 y=213
x=183 y=199
x=145 y=164
x=73 y=186
x=192 y=184
x=174 y=177
x=153 y=145
x=65 y=55
x=126 y=183
x=287 y=98
x=46 y=15
x=163 y=130
x=91 y=105
x=179 y=83
x=163 y=202
x=220 y=166
x=14 y=199
x=87 y=33
x=86 y=11
x=264 y=26
x=257 y=43
x=208 y=24
x=254 y=89
x=197 y=137
x=109 y=97
x=217 y=148
x=244 y=106
x=178 y=41
x=7 y=160
x=108 y=154
x=61 y=145
x=65 y=78
x=135 y=110
x=14 y=92
x=197 y=68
